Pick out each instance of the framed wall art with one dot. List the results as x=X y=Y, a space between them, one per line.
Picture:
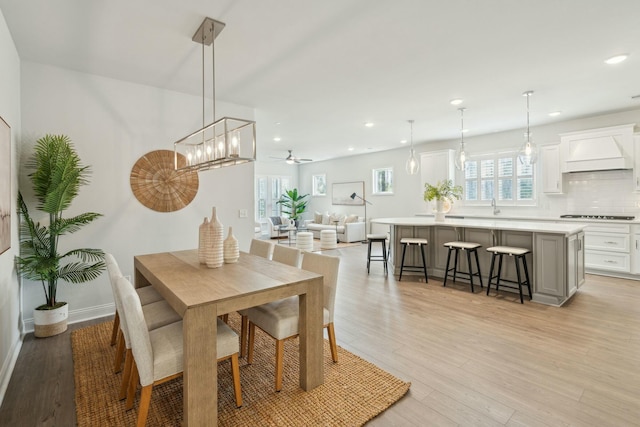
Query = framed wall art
x=5 y=186
x=341 y=193
x=319 y=185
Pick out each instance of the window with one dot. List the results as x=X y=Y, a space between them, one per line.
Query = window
x=383 y=181
x=499 y=176
x=267 y=192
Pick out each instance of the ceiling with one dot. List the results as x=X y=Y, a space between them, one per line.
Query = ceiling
x=316 y=71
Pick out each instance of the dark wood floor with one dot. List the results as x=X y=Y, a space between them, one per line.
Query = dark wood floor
x=472 y=360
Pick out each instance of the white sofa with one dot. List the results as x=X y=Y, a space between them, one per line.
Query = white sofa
x=346 y=232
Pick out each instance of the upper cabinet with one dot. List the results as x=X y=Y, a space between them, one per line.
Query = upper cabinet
x=437 y=166
x=551 y=173
x=636 y=168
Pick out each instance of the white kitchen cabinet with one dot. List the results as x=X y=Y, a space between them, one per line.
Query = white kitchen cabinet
x=635 y=250
x=608 y=247
x=551 y=172
x=636 y=166
x=575 y=263
x=437 y=166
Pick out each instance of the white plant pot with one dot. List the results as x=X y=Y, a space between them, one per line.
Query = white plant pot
x=48 y=323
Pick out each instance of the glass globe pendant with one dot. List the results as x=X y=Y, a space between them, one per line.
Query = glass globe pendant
x=461 y=154
x=412 y=165
x=528 y=153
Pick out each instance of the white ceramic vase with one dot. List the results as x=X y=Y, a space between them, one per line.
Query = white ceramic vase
x=48 y=323
x=231 y=250
x=439 y=210
x=215 y=251
x=204 y=240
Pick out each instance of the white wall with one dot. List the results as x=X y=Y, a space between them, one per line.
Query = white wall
x=10 y=321
x=584 y=192
x=112 y=124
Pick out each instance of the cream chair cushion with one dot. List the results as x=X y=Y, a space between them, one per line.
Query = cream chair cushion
x=287 y=255
x=261 y=248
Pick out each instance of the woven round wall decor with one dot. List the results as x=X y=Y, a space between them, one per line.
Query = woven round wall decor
x=158 y=186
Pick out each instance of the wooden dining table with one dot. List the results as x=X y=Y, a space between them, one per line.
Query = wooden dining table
x=199 y=294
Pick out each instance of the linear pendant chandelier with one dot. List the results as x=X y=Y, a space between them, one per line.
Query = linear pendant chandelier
x=224 y=142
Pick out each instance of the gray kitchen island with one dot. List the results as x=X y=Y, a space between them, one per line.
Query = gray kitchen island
x=556 y=262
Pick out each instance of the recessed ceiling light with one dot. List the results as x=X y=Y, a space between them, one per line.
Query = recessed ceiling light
x=456 y=101
x=616 y=59
x=350 y=148
x=555 y=113
x=404 y=141
x=369 y=124
x=276 y=139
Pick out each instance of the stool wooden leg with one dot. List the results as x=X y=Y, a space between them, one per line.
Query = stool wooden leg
x=404 y=249
x=526 y=274
x=475 y=251
x=455 y=265
x=384 y=255
x=446 y=270
x=424 y=264
x=470 y=269
x=515 y=258
x=493 y=261
x=499 y=272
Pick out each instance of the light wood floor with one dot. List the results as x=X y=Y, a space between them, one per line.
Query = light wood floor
x=472 y=360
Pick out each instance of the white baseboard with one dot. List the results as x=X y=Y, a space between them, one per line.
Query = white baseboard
x=7 y=367
x=80 y=315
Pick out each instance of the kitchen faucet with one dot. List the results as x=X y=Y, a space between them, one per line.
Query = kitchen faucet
x=496 y=211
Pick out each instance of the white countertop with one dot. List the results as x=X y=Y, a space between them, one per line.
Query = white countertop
x=565 y=229
x=459 y=215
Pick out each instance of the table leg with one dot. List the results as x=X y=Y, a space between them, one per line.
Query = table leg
x=200 y=366
x=311 y=338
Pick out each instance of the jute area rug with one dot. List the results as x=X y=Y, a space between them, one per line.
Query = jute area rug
x=354 y=390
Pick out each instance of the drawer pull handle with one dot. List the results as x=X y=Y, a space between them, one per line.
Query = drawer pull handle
x=610 y=261
x=611 y=243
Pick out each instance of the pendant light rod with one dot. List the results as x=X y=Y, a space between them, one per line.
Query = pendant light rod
x=461 y=124
x=412 y=166
x=528 y=95
x=411 y=125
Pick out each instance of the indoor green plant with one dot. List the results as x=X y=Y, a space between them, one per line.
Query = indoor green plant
x=441 y=192
x=293 y=204
x=56 y=178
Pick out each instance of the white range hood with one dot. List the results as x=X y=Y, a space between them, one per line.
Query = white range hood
x=598 y=149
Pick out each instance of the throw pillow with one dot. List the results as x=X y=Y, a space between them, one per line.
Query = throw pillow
x=350 y=219
x=342 y=219
x=325 y=218
x=317 y=217
x=334 y=218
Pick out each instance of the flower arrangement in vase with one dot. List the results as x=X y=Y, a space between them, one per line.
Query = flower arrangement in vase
x=442 y=192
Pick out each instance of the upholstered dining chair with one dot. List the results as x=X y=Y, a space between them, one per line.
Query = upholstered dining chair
x=261 y=248
x=147 y=294
x=285 y=255
x=158 y=354
x=157 y=314
x=280 y=319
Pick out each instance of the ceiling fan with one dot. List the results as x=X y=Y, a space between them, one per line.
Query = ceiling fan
x=291 y=159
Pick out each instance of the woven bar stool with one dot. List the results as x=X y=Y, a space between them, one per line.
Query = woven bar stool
x=407 y=241
x=516 y=253
x=382 y=239
x=469 y=248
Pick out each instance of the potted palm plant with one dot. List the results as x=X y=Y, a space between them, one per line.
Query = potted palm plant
x=293 y=204
x=443 y=192
x=56 y=178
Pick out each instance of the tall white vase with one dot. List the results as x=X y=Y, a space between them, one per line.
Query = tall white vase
x=215 y=250
x=204 y=240
x=231 y=250
x=439 y=210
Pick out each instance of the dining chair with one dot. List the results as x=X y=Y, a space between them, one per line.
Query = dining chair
x=158 y=354
x=285 y=255
x=280 y=319
x=157 y=314
x=262 y=248
x=147 y=294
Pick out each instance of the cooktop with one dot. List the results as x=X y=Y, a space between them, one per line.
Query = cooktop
x=618 y=217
